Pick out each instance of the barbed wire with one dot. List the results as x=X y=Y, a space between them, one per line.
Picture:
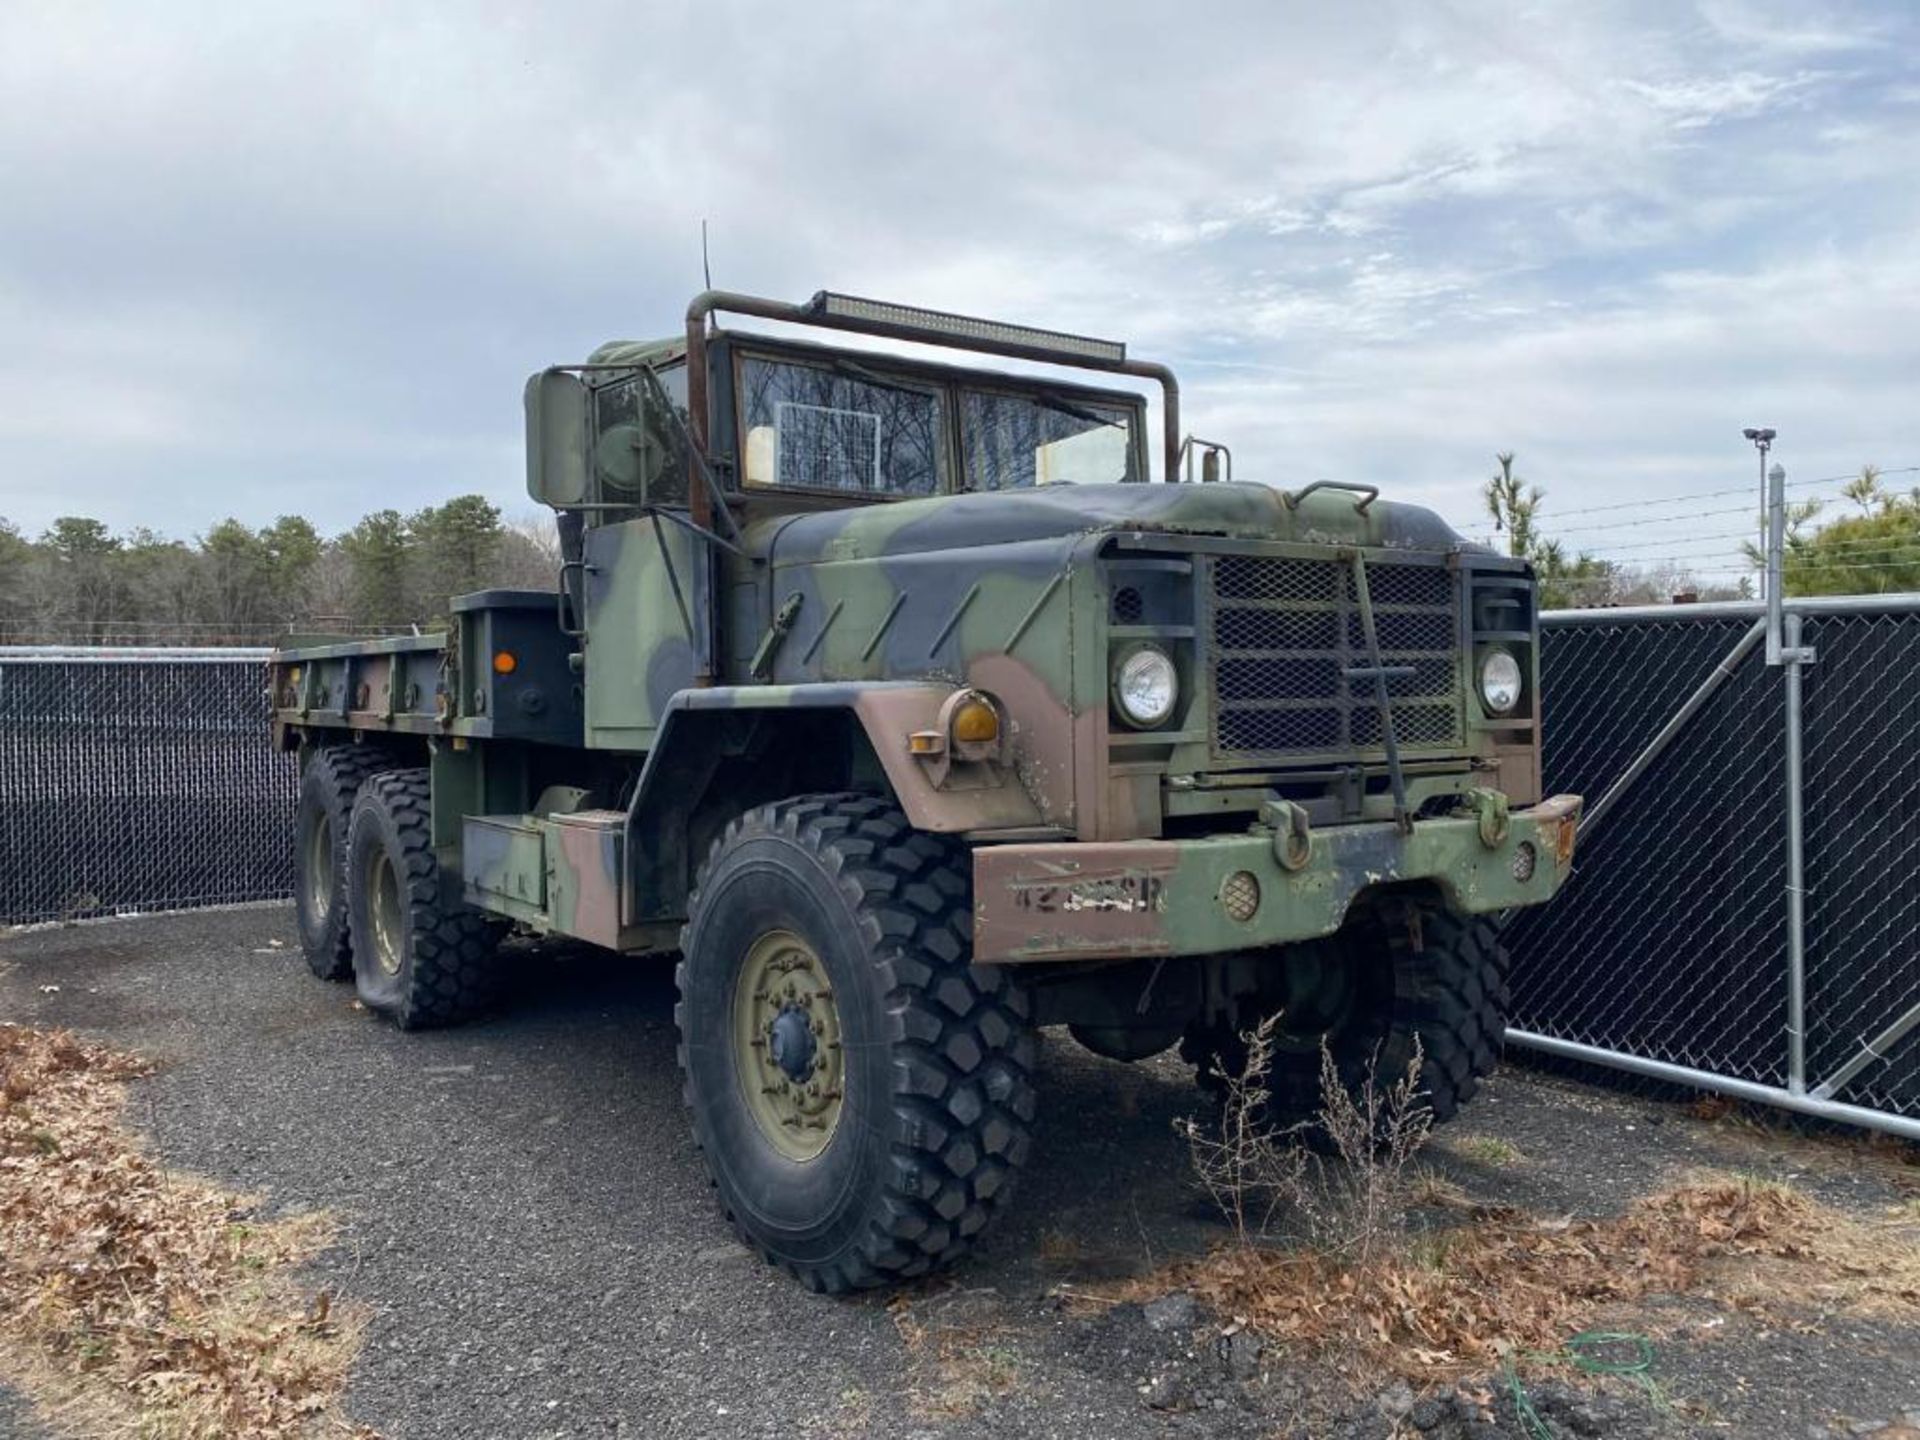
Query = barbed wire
x=1791 y=484
x=1551 y=518
x=1799 y=551
x=1753 y=511
x=1912 y=563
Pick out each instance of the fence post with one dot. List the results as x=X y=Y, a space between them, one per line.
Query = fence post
x=1795 y=658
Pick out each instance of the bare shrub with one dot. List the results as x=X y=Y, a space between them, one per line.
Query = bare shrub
x=1242 y=1160
x=1363 y=1291
x=1353 y=1204
x=1349 y=1205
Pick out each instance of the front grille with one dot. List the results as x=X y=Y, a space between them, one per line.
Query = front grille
x=1285 y=632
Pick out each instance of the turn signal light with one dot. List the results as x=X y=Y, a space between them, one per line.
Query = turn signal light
x=504 y=663
x=975 y=721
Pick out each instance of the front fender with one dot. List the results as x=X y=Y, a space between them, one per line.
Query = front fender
x=703 y=727
x=888 y=712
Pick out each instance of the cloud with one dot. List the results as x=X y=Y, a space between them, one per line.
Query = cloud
x=259 y=260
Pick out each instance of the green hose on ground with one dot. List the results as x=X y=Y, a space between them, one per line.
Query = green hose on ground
x=1592 y=1352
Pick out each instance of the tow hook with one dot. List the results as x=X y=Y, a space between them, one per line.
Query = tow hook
x=1490 y=808
x=1292 y=833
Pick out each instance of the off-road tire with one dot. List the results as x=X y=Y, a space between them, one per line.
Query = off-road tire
x=432 y=960
x=938 y=1100
x=1441 y=979
x=328 y=786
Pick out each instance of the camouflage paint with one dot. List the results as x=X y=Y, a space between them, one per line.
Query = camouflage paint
x=884 y=611
x=558 y=874
x=1158 y=897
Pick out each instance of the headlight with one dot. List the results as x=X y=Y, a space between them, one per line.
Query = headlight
x=1146 y=687
x=1500 y=681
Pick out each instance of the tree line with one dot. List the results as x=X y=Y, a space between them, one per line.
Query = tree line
x=79 y=582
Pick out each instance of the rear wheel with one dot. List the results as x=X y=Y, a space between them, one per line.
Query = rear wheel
x=332 y=779
x=1394 y=977
x=859 y=1089
x=421 y=956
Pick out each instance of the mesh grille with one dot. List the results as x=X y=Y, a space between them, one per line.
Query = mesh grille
x=1285 y=632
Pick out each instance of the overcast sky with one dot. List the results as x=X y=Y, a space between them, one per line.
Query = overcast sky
x=264 y=257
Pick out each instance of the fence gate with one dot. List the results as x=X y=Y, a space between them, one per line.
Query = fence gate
x=138 y=780
x=1744 y=913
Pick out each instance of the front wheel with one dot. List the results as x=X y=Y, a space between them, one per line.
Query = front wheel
x=859 y=1089
x=1393 y=977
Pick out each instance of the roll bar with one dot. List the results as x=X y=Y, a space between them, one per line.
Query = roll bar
x=829 y=311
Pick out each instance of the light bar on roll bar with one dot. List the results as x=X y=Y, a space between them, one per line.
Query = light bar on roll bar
x=911 y=321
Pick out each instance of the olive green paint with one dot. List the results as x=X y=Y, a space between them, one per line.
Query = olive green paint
x=815 y=603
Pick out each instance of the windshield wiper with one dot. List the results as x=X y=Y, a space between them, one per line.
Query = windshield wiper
x=879 y=382
x=1047 y=400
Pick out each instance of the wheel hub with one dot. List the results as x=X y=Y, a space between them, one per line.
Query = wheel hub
x=386 y=911
x=319 y=868
x=787 y=1045
x=791 y=1044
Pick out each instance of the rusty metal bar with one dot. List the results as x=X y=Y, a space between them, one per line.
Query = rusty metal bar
x=1658 y=745
x=710 y=302
x=1379 y=673
x=1804 y=1104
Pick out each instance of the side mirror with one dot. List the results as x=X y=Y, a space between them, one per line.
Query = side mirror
x=559 y=438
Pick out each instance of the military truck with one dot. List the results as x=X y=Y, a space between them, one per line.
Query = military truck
x=895 y=701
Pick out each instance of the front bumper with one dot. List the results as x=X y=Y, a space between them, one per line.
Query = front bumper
x=1129 y=898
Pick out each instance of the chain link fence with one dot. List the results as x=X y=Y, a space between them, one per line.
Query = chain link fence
x=138 y=780
x=141 y=780
x=1678 y=949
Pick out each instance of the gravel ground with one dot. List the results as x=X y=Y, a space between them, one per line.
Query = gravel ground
x=526 y=1219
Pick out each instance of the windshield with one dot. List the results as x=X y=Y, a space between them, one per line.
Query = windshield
x=817 y=427
x=1014 y=441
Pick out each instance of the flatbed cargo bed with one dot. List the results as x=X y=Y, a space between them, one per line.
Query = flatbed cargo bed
x=506 y=678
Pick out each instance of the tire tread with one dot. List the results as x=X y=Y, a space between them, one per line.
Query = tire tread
x=343 y=770
x=453 y=973
x=963 y=1098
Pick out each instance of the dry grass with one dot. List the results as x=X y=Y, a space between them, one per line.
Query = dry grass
x=1061 y=1249
x=1367 y=1294
x=1488 y=1149
x=1457 y=1302
x=135 y=1302
x=956 y=1367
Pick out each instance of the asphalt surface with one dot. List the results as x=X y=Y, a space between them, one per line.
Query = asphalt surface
x=525 y=1217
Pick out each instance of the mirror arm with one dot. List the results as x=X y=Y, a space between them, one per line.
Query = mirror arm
x=716 y=497
x=693 y=527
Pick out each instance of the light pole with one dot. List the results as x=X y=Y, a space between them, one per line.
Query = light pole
x=1763 y=442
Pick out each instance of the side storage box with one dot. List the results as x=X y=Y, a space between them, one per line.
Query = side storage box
x=505 y=863
x=583 y=875
x=516 y=679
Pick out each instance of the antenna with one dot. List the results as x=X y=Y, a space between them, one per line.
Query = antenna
x=706 y=269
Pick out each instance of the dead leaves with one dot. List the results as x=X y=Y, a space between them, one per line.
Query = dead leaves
x=154 y=1303
x=1455 y=1302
